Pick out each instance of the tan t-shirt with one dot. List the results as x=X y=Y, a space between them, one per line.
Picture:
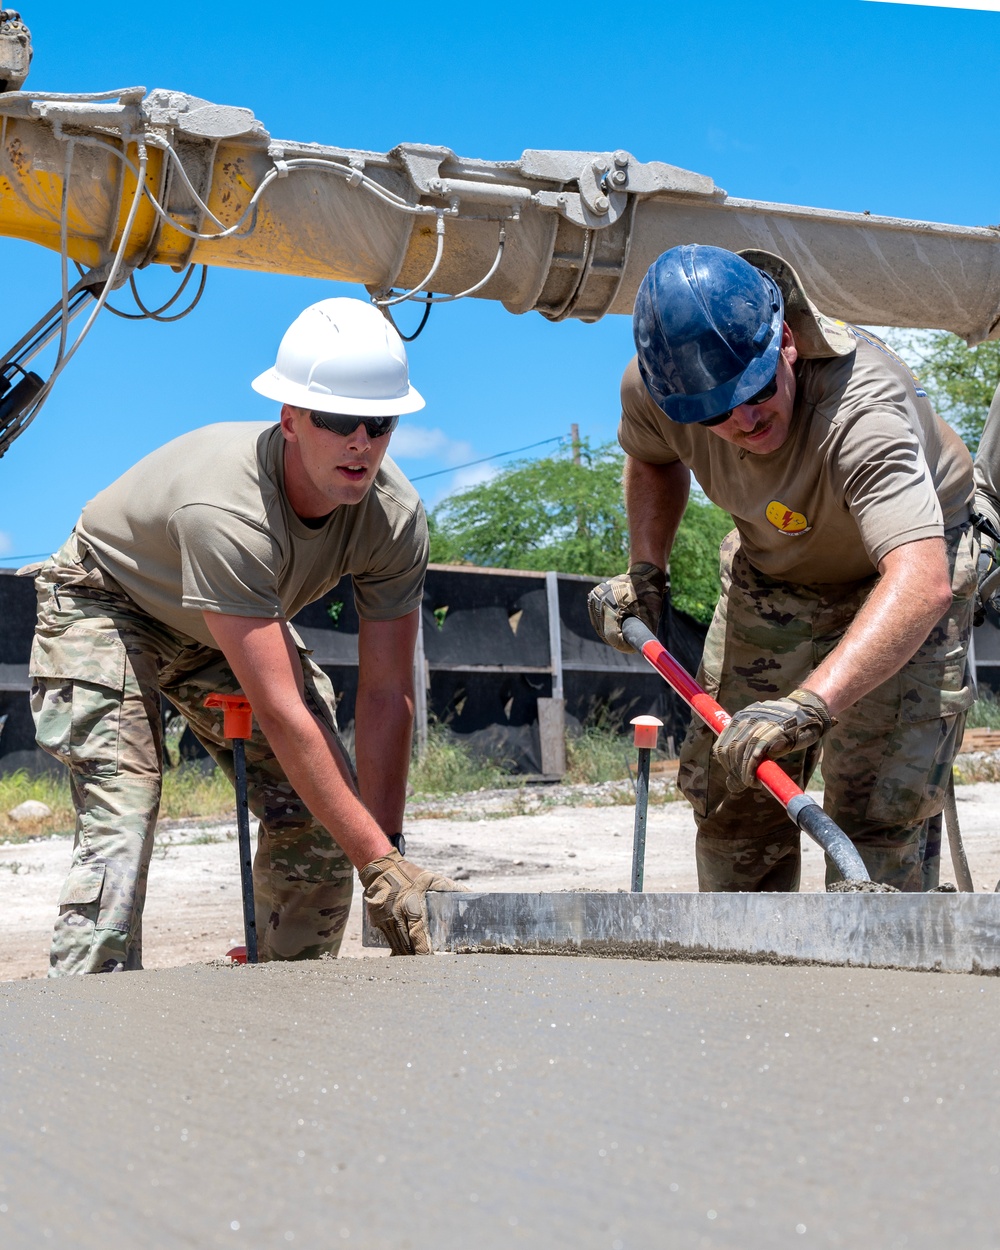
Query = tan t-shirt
x=202 y=524
x=868 y=466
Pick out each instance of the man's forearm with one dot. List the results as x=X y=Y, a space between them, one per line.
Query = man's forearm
x=910 y=597
x=383 y=734
x=268 y=668
x=655 y=498
x=314 y=764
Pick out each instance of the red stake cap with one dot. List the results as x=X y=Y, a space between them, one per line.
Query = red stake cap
x=646 y=729
x=238 y=719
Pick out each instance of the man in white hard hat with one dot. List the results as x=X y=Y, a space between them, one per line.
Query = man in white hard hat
x=179 y=580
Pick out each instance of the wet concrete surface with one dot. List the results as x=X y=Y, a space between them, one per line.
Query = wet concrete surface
x=474 y=1101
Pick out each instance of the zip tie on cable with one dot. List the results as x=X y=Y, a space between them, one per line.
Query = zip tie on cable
x=277 y=154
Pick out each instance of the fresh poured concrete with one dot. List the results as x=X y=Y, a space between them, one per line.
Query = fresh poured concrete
x=497 y=1101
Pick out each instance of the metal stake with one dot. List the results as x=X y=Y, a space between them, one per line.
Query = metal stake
x=646 y=729
x=246 y=860
x=237 y=725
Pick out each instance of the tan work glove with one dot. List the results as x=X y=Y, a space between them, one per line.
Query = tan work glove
x=639 y=592
x=396 y=896
x=766 y=731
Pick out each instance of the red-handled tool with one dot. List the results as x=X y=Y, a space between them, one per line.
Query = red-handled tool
x=804 y=811
x=237 y=724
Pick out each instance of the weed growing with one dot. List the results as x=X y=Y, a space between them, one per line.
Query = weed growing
x=187 y=791
x=190 y=790
x=447 y=766
x=599 y=753
x=50 y=788
x=985 y=712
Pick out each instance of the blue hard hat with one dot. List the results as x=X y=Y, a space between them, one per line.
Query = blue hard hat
x=707 y=329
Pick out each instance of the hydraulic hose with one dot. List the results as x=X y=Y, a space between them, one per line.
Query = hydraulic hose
x=804 y=811
x=959 y=859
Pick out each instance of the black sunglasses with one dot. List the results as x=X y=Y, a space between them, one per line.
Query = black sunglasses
x=376 y=427
x=763 y=395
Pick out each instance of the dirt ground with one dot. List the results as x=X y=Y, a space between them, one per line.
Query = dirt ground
x=538 y=839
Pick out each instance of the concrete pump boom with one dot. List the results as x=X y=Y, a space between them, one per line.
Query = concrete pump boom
x=568 y=234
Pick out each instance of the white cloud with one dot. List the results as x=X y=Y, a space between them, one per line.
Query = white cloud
x=415 y=442
x=472 y=476
x=6 y=545
x=439 y=488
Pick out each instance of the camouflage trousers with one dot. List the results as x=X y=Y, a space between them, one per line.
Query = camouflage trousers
x=99 y=666
x=886 y=762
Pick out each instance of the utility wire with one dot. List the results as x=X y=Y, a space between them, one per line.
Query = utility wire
x=483 y=459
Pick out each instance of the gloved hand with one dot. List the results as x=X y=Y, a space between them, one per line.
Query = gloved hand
x=767 y=731
x=639 y=592
x=396 y=896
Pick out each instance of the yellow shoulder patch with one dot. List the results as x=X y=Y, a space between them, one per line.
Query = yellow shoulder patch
x=784 y=519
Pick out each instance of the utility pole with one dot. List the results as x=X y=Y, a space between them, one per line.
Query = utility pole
x=574 y=434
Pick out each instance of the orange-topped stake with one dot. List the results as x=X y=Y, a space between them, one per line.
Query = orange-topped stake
x=238 y=714
x=237 y=725
x=646 y=730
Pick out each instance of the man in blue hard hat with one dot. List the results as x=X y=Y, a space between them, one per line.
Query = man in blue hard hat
x=847 y=584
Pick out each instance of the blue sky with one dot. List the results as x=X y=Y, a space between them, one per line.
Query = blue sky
x=841 y=103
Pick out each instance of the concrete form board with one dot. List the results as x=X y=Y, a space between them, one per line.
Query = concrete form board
x=944 y=932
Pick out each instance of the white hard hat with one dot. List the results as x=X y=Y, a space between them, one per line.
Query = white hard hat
x=341 y=355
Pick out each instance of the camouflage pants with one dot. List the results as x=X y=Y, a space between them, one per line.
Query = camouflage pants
x=99 y=666
x=887 y=761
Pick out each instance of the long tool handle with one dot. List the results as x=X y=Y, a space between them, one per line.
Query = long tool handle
x=246 y=865
x=804 y=811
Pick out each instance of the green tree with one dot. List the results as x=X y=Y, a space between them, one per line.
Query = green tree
x=554 y=513
x=959 y=379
